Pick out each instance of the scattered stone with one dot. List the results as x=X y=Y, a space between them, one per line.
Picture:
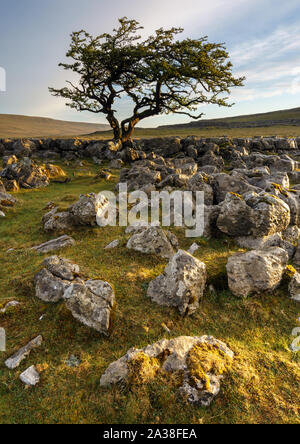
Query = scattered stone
x=181 y=285
x=30 y=376
x=2 y=214
x=73 y=361
x=55 y=244
x=256 y=271
x=53 y=280
x=193 y=248
x=15 y=360
x=9 y=305
x=294 y=287
x=6 y=200
x=113 y=244
x=153 y=240
x=91 y=303
x=201 y=363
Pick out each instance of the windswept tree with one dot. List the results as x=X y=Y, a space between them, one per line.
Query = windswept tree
x=161 y=75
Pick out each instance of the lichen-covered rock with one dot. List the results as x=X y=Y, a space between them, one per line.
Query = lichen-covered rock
x=91 y=303
x=153 y=240
x=234 y=183
x=253 y=214
x=199 y=362
x=55 y=221
x=181 y=285
x=294 y=287
x=256 y=271
x=54 y=279
x=84 y=211
x=7 y=200
x=55 y=244
x=30 y=377
x=15 y=360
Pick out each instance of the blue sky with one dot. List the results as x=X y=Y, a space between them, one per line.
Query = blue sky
x=262 y=36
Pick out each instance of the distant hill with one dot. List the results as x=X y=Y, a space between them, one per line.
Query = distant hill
x=289 y=117
x=24 y=126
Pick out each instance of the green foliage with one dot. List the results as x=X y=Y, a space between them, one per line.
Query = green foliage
x=161 y=74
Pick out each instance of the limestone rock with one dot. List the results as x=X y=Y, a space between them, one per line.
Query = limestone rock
x=183 y=355
x=253 y=214
x=30 y=376
x=53 y=280
x=113 y=244
x=6 y=200
x=9 y=305
x=256 y=271
x=15 y=360
x=84 y=211
x=181 y=285
x=55 y=244
x=91 y=303
x=294 y=287
x=151 y=241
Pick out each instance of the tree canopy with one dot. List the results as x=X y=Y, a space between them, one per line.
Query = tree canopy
x=160 y=74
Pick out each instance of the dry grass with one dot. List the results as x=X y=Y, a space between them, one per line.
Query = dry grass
x=263 y=385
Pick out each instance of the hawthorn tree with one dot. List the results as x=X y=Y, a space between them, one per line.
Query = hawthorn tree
x=161 y=75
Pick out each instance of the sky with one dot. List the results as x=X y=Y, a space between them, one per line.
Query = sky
x=262 y=37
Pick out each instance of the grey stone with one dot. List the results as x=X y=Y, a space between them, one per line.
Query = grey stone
x=173 y=356
x=91 y=303
x=151 y=241
x=30 y=376
x=15 y=360
x=256 y=271
x=181 y=285
x=55 y=244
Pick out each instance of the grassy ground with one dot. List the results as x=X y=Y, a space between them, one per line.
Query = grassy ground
x=263 y=387
x=283 y=131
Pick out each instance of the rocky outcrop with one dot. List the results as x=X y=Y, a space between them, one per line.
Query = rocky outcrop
x=256 y=271
x=181 y=285
x=199 y=362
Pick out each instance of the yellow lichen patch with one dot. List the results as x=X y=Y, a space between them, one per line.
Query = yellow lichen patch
x=290 y=272
x=280 y=189
x=142 y=369
x=237 y=195
x=206 y=358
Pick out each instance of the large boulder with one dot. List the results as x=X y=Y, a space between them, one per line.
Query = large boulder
x=181 y=285
x=91 y=303
x=253 y=214
x=256 y=271
x=199 y=362
x=151 y=240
